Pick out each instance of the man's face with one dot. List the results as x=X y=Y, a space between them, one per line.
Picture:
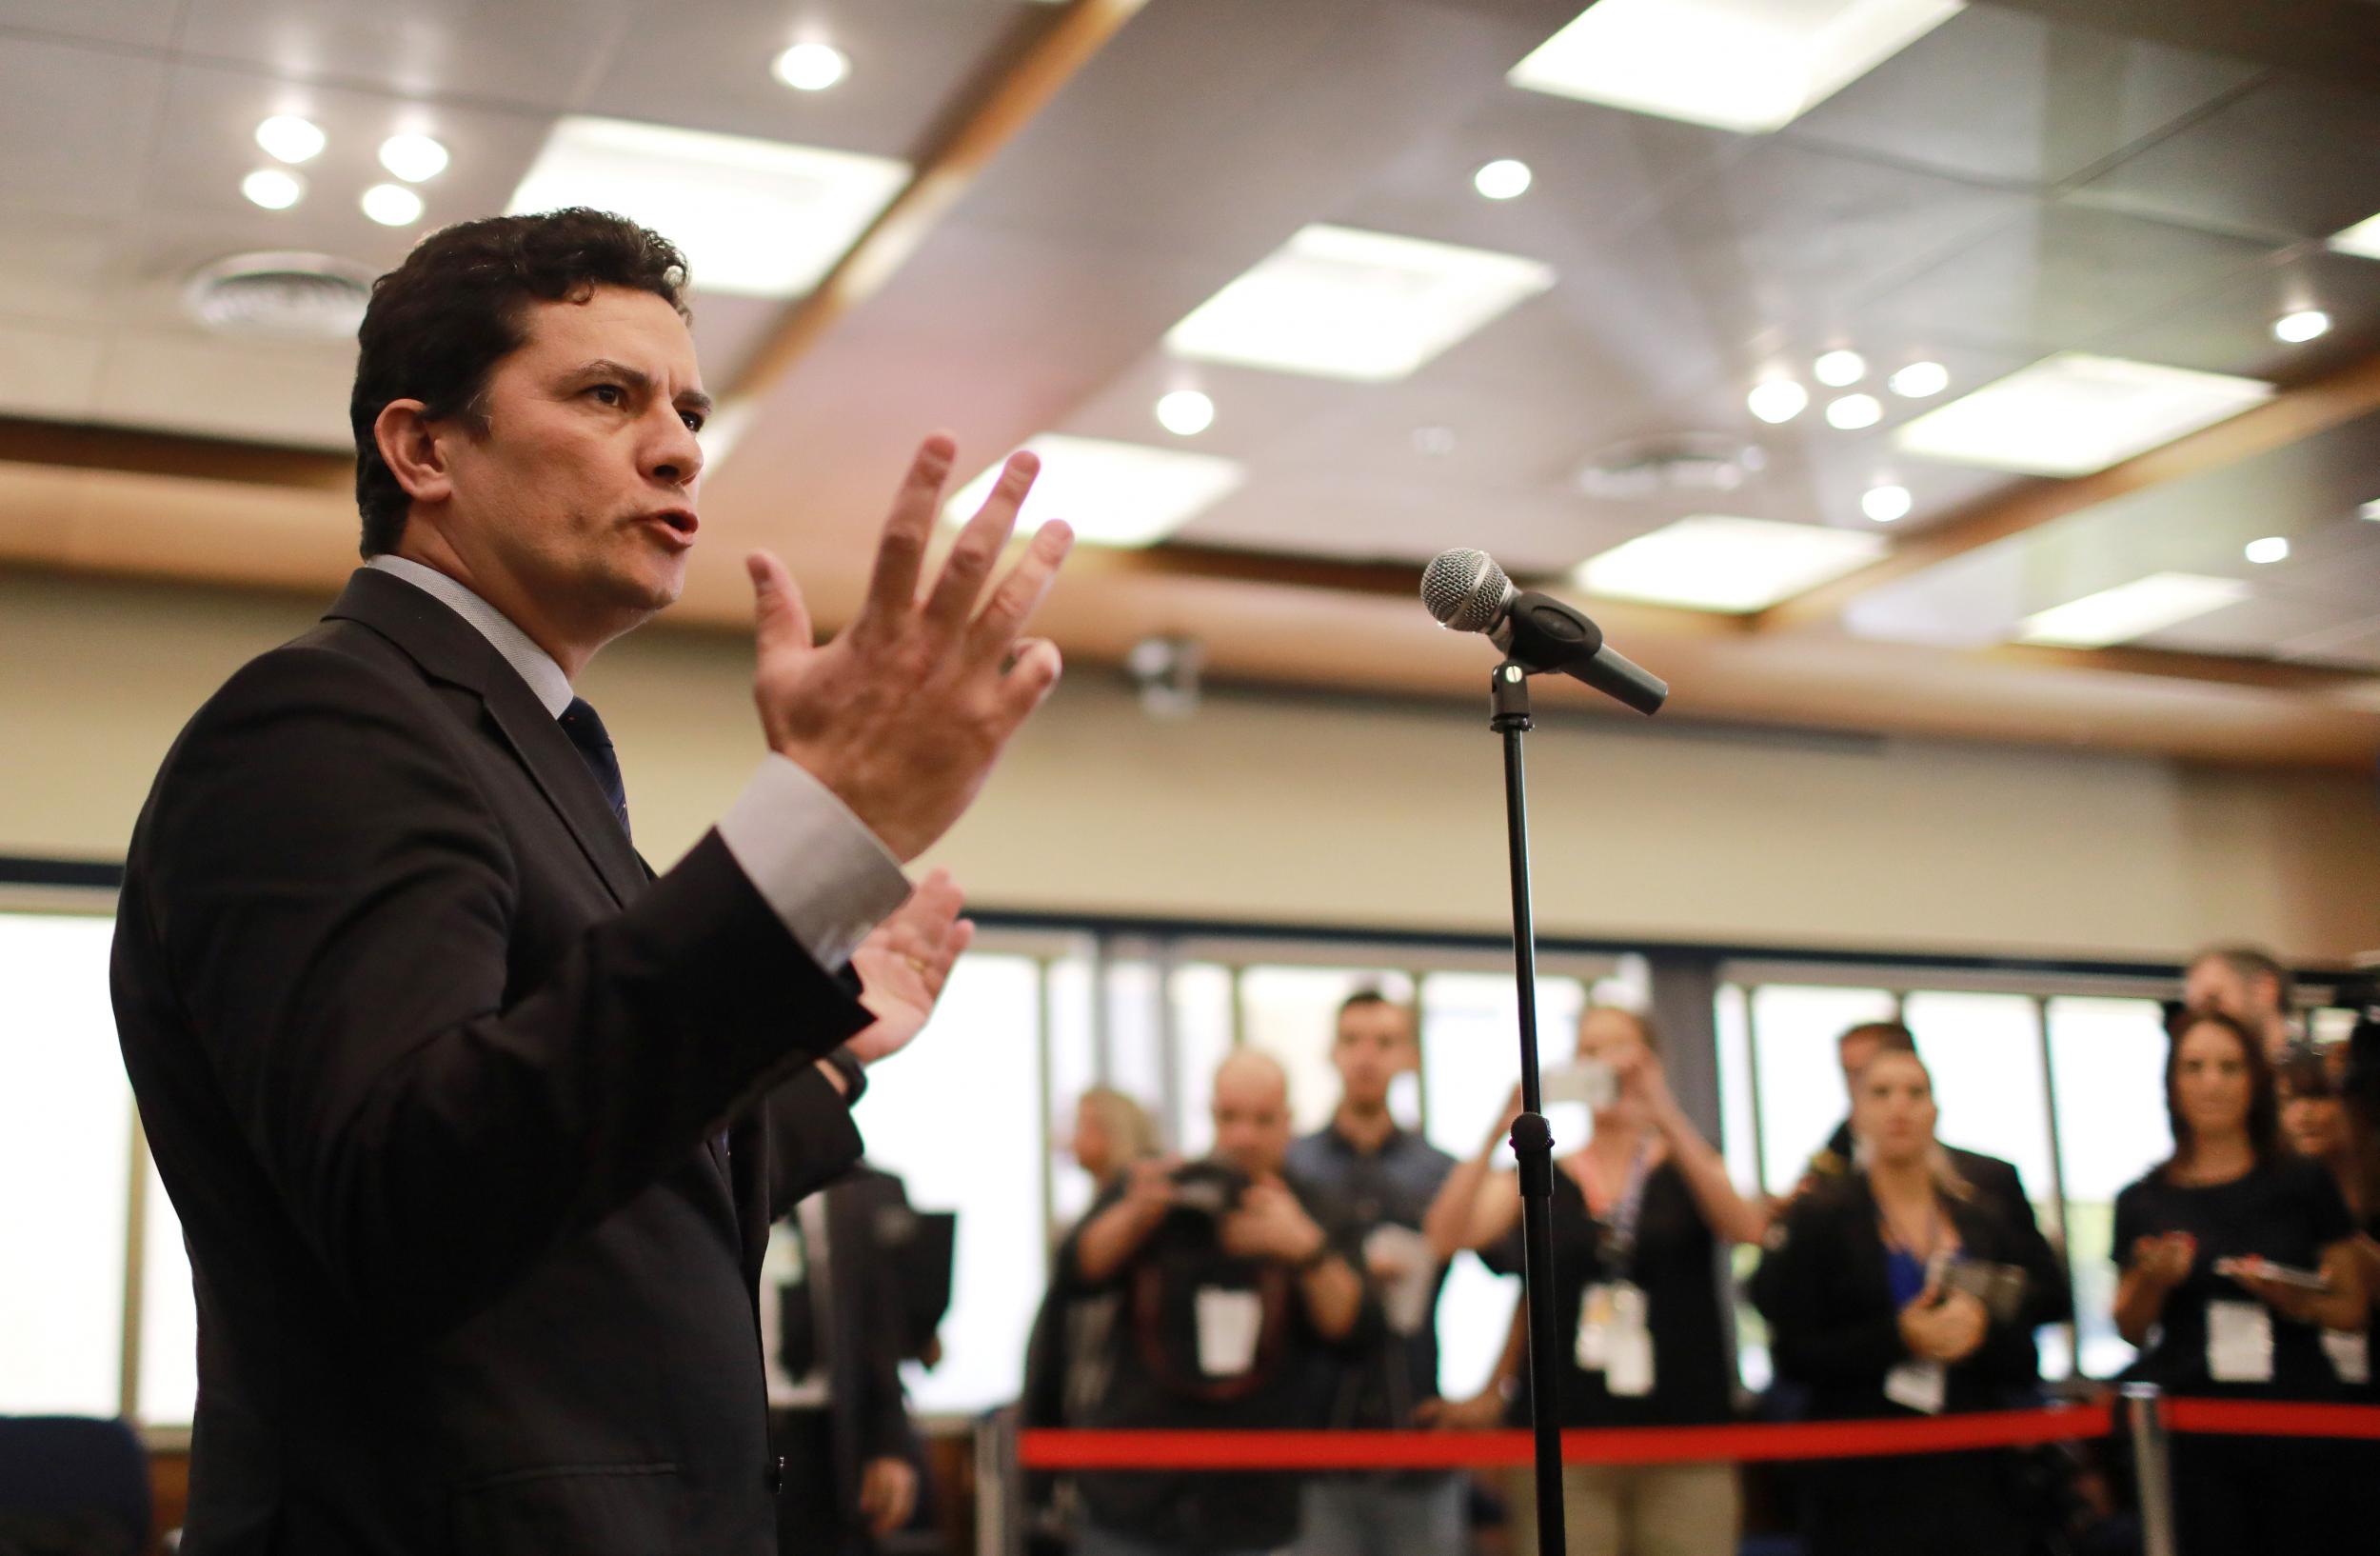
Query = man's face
x=1251 y=1110
x=2215 y=985
x=578 y=500
x=1855 y=1053
x=1375 y=1045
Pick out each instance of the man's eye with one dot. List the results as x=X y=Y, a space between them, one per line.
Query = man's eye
x=693 y=420
x=612 y=395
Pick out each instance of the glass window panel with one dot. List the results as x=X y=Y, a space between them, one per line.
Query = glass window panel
x=1475 y=1314
x=924 y=1117
x=2107 y=1059
x=169 y=1390
x=65 y=1145
x=1291 y=1013
x=1794 y=1030
x=1136 y=1041
x=1470 y=1050
x=1074 y=1068
x=1984 y=1051
x=1202 y=1023
x=1739 y=1130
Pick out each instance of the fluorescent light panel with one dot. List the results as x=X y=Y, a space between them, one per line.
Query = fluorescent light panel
x=1112 y=494
x=1710 y=562
x=1742 y=65
x=2130 y=611
x=755 y=218
x=2074 y=413
x=2362 y=239
x=1338 y=303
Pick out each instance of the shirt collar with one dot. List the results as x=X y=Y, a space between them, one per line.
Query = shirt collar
x=531 y=662
x=1388 y=1142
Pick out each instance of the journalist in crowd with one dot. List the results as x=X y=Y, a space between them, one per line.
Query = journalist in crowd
x=1897 y=1290
x=1641 y=1213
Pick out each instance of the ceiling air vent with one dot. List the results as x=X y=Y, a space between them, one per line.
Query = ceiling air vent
x=281 y=296
x=1683 y=463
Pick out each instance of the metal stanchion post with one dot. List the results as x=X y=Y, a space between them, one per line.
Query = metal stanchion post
x=999 y=1486
x=2152 y=1465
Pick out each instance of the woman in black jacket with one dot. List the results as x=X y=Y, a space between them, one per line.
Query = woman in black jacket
x=1900 y=1291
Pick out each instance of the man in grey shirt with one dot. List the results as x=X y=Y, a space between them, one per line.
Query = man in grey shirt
x=1379 y=1179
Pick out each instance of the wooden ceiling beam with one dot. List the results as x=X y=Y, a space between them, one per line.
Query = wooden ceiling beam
x=974 y=133
x=2290 y=416
x=23 y=441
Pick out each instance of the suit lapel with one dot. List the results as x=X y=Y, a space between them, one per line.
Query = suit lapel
x=452 y=649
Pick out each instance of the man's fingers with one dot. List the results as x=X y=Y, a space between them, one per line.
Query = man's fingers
x=1031 y=677
x=779 y=617
x=892 y=588
x=980 y=544
x=1020 y=593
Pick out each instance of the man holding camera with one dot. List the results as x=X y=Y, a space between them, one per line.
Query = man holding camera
x=1233 y=1293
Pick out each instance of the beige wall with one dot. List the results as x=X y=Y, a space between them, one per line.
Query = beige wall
x=1309 y=809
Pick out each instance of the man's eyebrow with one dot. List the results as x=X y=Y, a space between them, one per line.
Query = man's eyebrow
x=641 y=381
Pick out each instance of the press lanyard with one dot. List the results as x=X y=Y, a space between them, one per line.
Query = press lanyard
x=1618 y=1248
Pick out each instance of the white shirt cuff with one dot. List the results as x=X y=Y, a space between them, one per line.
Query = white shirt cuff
x=826 y=875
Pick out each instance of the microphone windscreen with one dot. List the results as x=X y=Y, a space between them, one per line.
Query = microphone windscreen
x=1465 y=590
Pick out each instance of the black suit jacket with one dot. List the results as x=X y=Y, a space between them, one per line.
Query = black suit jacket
x=431 y=1064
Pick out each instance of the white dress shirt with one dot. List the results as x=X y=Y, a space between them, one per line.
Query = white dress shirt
x=829 y=878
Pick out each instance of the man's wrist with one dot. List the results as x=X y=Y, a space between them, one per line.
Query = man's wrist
x=1314 y=1257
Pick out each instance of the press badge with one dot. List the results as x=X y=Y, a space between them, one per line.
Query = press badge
x=1229 y=1321
x=1918 y=1385
x=1594 y=1329
x=2351 y=1355
x=2239 y=1341
x=1628 y=1345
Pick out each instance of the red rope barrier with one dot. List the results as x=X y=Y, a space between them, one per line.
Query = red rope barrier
x=2271 y=1418
x=1313 y=1451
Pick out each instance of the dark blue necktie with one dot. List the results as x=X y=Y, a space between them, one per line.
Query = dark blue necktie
x=578 y=721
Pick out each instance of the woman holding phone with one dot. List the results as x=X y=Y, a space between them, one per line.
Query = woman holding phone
x=1640 y=1213
x=2235 y=1255
x=1898 y=1290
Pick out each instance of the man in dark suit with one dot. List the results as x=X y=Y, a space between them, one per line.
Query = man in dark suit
x=836 y=1290
x=476 y=1126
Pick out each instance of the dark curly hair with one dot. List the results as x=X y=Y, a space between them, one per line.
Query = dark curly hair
x=439 y=323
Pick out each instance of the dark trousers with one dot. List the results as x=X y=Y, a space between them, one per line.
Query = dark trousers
x=812 y=1516
x=2233 y=1494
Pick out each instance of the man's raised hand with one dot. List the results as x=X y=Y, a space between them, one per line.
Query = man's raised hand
x=903 y=715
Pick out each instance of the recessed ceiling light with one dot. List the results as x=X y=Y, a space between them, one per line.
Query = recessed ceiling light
x=2072 y=413
x=1185 y=413
x=1112 y=494
x=2271 y=549
x=1778 y=400
x=2370 y=511
x=392 y=204
x=2362 y=238
x=413 y=158
x=1839 y=370
x=2304 y=325
x=1886 y=505
x=1853 y=411
x=1710 y=562
x=2131 y=610
x=811 y=67
x=290 y=138
x=1503 y=179
x=1338 y=303
x=273 y=187
x=1919 y=380
x=755 y=218
x=1747 y=65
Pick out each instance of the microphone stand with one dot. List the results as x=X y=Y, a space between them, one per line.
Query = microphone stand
x=1532 y=1138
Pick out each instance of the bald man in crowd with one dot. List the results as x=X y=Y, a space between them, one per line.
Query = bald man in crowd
x=1234 y=1293
x=2248 y=983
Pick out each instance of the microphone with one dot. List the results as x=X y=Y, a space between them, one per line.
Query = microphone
x=1467 y=592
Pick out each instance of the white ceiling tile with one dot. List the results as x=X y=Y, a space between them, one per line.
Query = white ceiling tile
x=194 y=383
x=49 y=372
x=143 y=24
x=75 y=124
x=534 y=53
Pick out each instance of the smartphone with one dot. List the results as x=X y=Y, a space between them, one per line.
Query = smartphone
x=2265 y=1270
x=1589 y=1081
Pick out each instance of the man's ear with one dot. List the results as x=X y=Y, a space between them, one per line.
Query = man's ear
x=410 y=446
